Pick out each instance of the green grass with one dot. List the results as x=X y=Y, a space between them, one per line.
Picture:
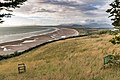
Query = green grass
x=72 y=59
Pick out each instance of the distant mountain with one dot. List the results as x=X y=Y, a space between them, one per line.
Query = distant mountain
x=71 y=25
x=97 y=25
x=91 y=25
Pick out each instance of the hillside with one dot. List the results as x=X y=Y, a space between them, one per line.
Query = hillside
x=71 y=59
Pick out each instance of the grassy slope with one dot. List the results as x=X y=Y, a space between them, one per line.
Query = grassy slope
x=71 y=59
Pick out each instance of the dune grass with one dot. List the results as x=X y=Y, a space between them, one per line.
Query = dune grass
x=71 y=59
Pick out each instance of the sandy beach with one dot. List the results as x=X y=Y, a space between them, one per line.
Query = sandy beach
x=24 y=44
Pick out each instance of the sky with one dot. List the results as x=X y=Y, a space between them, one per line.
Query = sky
x=55 y=12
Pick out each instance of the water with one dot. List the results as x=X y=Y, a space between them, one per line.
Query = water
x=8 y=34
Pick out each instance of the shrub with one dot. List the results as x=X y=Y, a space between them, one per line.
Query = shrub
x=114 y=32
x=109 y=32
x=103 y=32
x=115 y=40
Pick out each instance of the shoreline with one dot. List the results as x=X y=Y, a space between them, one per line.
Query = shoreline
x=27 y=43
x=55 y=29
x=26 y=38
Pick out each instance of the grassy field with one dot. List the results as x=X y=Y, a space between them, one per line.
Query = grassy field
x=71 y=59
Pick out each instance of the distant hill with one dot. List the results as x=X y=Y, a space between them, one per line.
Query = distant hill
x=71 y=25
x=96 y=25
x=91 y=25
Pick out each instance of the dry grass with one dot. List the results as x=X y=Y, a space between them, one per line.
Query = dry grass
x=71 y=59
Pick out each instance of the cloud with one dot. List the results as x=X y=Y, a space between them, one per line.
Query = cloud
x=51 y=6
x=63 y=6
x=63 y=11
x=78 y=5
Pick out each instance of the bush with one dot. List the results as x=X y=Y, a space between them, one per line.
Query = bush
x=103 y=32
x=109 y=32
x=115 y=40
x=114 y=32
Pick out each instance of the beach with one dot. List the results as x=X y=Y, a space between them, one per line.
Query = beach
x=24 y=44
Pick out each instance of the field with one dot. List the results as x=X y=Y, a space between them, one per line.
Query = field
x=71 y=59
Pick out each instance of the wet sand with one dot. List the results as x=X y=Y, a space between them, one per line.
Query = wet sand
x=24 y=44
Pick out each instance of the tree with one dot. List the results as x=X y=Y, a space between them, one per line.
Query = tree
x=115 y=13
x=7 y=5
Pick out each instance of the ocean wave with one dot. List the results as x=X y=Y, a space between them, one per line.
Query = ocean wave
x=20 y=36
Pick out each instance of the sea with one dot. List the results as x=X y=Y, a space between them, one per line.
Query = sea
x=8 y=34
